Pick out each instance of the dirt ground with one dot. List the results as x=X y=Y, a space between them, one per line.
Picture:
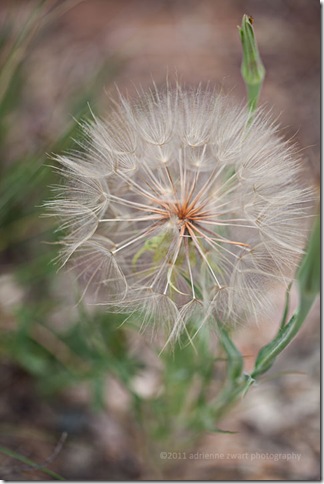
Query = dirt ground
x=277 y=424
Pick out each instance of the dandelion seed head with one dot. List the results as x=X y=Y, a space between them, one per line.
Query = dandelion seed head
x=181 y=207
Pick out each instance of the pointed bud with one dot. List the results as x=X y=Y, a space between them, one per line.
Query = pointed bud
x=252 y=69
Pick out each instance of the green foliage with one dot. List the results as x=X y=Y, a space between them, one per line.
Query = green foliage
x=29 y=464
x=91 y=347
x=309 y=274
x=88 y=351
x=308 y=277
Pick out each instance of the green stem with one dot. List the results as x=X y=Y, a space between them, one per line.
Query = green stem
x=238 y=383
x=285 y=335
x=308 y=277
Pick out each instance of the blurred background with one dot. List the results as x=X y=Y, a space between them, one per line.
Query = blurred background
x=63 y=369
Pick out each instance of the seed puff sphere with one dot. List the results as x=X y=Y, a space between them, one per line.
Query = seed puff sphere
x=180 y=206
